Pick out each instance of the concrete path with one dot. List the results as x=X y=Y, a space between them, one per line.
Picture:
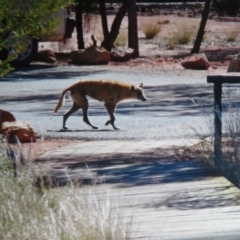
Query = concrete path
x=168 y=199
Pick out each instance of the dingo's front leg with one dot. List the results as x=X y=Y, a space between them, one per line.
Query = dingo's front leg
x=111 y=109
x=85 y=115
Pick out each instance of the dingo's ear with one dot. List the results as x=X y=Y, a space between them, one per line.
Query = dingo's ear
x=141 y=85
x=132 y=88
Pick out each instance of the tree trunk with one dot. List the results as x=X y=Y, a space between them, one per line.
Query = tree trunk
x=201 y=29
x=117 y=21
x=79 y=25
x=116 y=24
x=132 y=28
x=107 y=42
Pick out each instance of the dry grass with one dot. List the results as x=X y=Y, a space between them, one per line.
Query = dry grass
x=171 y=43
x=67 y=213
x=121 y=39
x=232 y=36
x=229 y=161
x=184 y=35
x=179 y=37
x=150 y=28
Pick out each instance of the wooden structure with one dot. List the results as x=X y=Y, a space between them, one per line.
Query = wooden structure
x=218 y=81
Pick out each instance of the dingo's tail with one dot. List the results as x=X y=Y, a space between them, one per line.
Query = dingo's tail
x=61 y=100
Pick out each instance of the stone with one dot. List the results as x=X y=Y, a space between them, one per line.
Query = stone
x=46 y=56
x=90 y=56
x=196 y=62
x=121 y=54
x=5 y=116
x=23 y=130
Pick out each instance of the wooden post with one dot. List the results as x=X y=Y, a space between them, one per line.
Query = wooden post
x=218 y=123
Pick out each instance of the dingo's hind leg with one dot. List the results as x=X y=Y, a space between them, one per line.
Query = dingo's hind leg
x=80 y=99
x=66 y=115
x=85 y=113
x=111 y=109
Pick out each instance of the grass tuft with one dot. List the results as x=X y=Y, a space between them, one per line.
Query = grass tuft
x=121 y=39
x=229 y=161
x=67 y=213
x=185 y=35
x=171 y=43
x=180 y=37
x=150 y=29
x=232 y=36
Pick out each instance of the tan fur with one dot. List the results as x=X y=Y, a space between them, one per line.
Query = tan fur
x=109 y=92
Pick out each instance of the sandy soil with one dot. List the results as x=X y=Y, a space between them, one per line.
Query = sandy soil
x=155 y=52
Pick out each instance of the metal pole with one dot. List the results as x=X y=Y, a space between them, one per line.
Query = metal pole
x=218 y=123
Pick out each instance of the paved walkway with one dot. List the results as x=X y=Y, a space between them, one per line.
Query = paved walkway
x=169 y=199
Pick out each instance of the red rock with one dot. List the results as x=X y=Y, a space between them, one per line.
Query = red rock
x=121 y=54
x=23 y=130
x=196 y=62
x=5 y=116
x=90 y=55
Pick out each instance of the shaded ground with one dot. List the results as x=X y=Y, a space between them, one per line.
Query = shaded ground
x=161 y=192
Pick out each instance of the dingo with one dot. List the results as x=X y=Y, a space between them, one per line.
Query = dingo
x=109 y=92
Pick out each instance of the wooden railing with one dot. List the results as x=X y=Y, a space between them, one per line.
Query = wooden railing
x=218 y=81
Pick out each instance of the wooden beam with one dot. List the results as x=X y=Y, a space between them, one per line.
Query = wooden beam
x=218 y=123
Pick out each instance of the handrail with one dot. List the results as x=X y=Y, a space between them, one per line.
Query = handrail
x=218 y=80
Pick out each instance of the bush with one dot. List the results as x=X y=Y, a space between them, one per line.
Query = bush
x=171 y=43
x=184 y=35
x=121 y=40
x=22 y=20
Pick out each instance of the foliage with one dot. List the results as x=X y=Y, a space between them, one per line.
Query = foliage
x=5 y=68
x=150 y=29
x=22 y=19
x=121 y=40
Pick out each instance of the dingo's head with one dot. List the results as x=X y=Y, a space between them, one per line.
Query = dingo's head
x=138 y=93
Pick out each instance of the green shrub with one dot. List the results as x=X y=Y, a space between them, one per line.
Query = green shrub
x=21 y=20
